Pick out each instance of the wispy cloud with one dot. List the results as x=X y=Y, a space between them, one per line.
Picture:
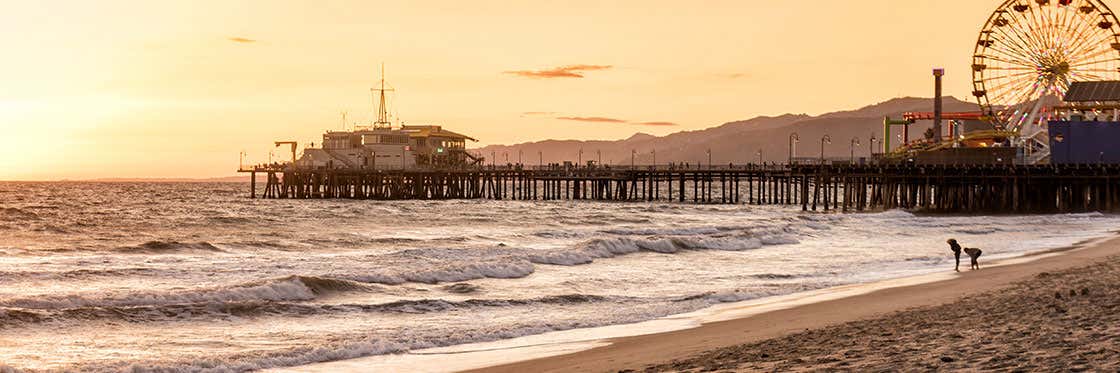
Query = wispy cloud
x=242 y=40
x=570 y=71
x=615 y=120
x=537 y=113
x=592 y=119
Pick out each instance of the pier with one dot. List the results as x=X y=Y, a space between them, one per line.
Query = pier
x=929 y=188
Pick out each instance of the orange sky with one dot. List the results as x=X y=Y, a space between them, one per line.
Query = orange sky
x=177 y=89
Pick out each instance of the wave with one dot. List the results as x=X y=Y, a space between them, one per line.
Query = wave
x=287 y=289
x=162 y=247
x=16 y=214
x=15 y=317
x=613 y=247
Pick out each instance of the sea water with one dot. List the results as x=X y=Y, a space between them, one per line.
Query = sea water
x=196 y=277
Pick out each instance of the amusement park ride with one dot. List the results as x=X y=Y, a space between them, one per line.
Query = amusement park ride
x=1026 y=58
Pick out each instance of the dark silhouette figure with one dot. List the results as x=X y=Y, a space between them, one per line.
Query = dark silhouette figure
x=974 y=253
x=953 y=245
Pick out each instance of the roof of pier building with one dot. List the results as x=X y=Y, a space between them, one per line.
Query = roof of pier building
x=433 y=131
x=1094 y=91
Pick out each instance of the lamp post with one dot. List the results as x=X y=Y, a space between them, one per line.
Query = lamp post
x=709 y=158
x=871 y=146
x=633 y=155
x=540 y=154
x=852 y=148
x=826 y=139
x=579 y=158
x=759 y=153
x=519 y=151
x=493 y=159
x=599 y=153
x=654 y=152
x=793 y=138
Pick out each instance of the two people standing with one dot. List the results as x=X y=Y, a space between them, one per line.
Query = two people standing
x=972 y=252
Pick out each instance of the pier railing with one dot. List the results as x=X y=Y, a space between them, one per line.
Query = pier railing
x=841 y=187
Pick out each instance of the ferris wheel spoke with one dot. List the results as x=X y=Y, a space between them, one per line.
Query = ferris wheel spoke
x=1082 y=32
x=1090 y=57
x=1023 y=45
x=1025 y=28
x=1091 y=42
x=1093 y=62
x=1089 y=75
x=1014 y=47
x=1029 y=31
x=1002 y=89
x=1009 y=59
x=1041 y=20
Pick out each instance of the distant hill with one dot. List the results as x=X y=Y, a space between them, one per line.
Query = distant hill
x=738 y=141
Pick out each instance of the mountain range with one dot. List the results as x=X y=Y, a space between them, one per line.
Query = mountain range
x=738 y=142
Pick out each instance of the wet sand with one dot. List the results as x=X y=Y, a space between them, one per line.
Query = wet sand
x=1061 y=311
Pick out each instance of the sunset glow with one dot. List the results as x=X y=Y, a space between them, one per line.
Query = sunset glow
x=131 y=89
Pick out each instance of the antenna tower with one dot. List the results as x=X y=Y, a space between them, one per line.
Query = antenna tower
x=383 y=110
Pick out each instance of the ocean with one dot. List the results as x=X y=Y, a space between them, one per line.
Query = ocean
x=198 y=277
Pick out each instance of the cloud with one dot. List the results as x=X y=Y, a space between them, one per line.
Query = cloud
x=592 y=119
x=537 y=113
x=570 y=71
x=613 y=120
x=236 y=39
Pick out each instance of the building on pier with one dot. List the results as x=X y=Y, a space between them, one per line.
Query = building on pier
x=1086 y=130
x=383 y=146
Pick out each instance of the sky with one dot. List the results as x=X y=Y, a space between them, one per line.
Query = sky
x=101 y=89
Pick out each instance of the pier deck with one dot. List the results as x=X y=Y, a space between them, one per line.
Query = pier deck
x=962 y=188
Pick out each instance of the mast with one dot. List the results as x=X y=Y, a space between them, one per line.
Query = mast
x=383 y=110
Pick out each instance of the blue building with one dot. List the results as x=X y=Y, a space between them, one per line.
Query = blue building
x=1089 y=132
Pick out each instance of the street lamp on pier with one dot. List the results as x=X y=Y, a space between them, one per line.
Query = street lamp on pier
x=709 y=158
x=793 y=139
x=633 y=156
x=519 y=151
x=826 y=139
x=852 y=147
x=871 y=146
x=654 y=152
x=579 y=158
x=759 y=153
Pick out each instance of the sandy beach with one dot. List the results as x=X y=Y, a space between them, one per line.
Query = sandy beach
x=1059 y=311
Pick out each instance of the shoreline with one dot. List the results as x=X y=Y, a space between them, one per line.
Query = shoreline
x=634 y=352
x=617 y=347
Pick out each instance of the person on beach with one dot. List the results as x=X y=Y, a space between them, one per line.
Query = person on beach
x=973 y=253
x=953 y=245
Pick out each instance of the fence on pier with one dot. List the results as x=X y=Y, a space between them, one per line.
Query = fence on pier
x=962 y=188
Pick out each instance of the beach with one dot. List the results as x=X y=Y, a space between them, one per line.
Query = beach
x=1057 y=310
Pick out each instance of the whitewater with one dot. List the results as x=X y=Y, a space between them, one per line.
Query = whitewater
x=197 y=277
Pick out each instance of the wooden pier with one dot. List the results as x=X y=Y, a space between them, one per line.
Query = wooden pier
x=946 y=189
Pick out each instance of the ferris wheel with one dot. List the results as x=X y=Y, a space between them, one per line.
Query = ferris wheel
x=1030 y=51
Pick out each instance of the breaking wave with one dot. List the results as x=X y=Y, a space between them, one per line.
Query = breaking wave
x=293 y=288
x=162 y=247
x=13 y=317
